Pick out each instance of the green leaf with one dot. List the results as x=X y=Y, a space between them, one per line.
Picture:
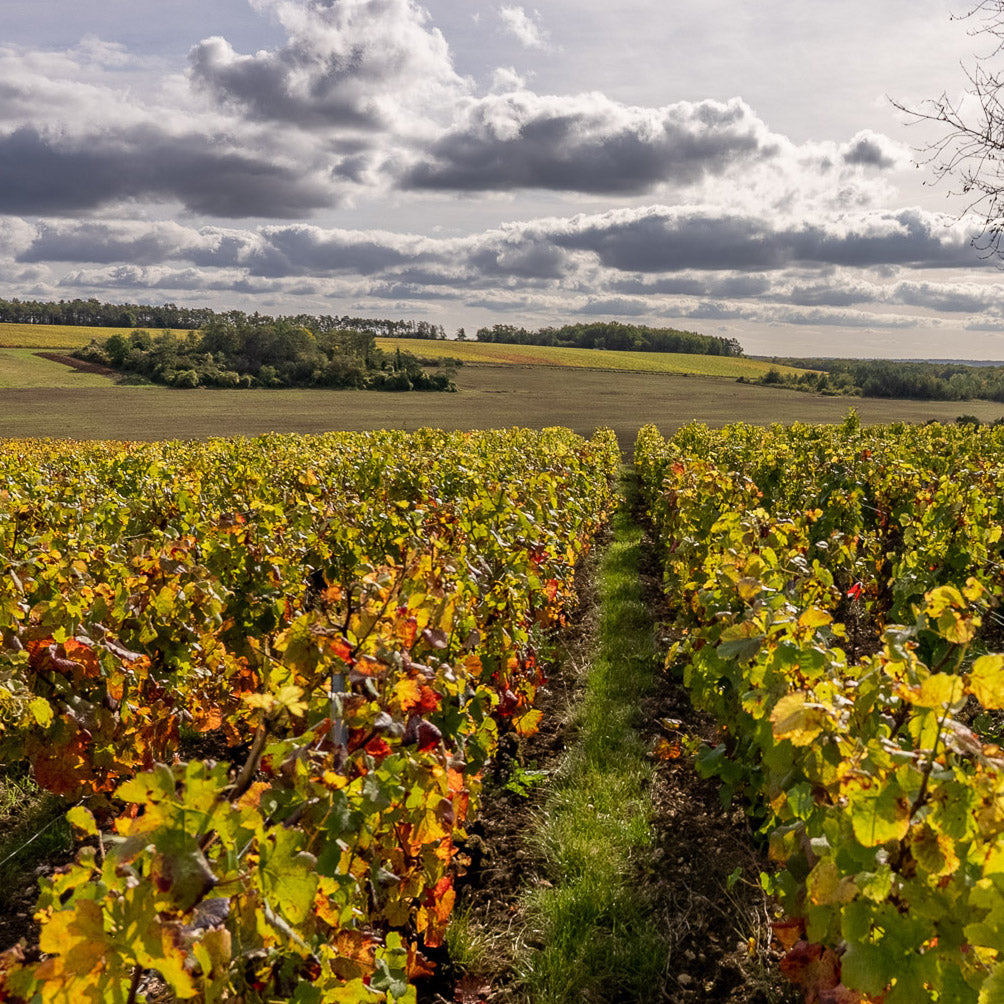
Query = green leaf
x=740 y=641
x=180 y=870
x=867 y=968
x=289 y=875
x=879 y=814
x=992 y=991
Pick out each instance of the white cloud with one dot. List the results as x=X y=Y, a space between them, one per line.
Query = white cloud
x=524 y=26
x=354 y=65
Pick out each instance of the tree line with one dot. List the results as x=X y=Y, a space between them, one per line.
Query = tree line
x=614 y=335
x=94 y=313
x=925 y=381
x=259 y=352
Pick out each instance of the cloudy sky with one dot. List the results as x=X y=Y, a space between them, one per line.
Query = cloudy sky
x=731 y=168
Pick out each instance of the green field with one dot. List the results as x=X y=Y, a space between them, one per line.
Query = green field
x=493 y=354
x=23 y=368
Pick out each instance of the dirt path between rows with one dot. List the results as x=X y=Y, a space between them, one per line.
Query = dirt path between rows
x=701 y=874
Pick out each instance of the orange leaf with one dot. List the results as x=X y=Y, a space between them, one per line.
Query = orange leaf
x=528 y=723
x=668 y=749
x=409 y=693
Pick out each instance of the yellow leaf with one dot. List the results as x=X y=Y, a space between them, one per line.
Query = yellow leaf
x=815 y=617
x=937 y=691
x=824 y=885
x=289 y=697
x=941 y=599
x=41 y=711
x=83 y=819
x=80 y=931
x=528 y=723
x=408 y=692
x=796 y=719
x=986 y=681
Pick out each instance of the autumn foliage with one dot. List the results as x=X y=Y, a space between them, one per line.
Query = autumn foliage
x=351 y=618
x=836 y=595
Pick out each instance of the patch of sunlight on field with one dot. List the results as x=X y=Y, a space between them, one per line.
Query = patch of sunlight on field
x=494 y=354
x=21 y=368
x=62 y=336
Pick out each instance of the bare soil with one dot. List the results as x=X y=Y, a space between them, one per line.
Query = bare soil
x=78 y=364
x=490 y=397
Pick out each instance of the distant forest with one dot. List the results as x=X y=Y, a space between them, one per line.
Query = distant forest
x=264 y=352
x=614 y=335
x=93 y=313
x=892 y=378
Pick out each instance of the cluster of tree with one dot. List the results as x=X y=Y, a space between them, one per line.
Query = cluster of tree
x=266 y=353
x=888 y=378
x=614 y=335
x=94 y=313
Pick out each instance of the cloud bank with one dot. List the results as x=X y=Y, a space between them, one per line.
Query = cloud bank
x=230 y=175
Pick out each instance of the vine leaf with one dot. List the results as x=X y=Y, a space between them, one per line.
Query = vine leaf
x=794 y=718
x=288 y=874
x=986 y=681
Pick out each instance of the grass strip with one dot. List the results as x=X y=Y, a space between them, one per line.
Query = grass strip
x=594 y=923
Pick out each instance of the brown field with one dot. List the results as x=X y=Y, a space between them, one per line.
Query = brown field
x=489 y=397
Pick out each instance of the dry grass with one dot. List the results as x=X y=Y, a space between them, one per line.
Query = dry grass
x=492 y=354
x=59 y=336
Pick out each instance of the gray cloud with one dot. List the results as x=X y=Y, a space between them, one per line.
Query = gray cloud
x=870 y=149
x=958 y=298
x=588 y=143
x=846 y=319
x=99 y=241
x=666 y=240
x=740 y=286
x=666 y=251
x=527 y=258
x=613 y=306
x=305 y=249
x=42 y=175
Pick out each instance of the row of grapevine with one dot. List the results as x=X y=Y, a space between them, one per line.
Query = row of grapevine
x=835 y=594
x=347 y=620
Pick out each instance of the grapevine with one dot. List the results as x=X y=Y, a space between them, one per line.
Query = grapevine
x=354 y=617
x=836 y=595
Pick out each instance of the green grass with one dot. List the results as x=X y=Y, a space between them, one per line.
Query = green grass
x=493 y=354
x=32 y=830
x=21 y=368
x=595 y=922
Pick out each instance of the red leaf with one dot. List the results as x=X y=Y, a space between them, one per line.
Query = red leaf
x=377 y=747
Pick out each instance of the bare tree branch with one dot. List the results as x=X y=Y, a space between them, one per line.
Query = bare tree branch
x=971 y=149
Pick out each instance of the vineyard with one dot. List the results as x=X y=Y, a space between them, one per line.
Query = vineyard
x=266 y=677
x=835 y=599
x=352 y=620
